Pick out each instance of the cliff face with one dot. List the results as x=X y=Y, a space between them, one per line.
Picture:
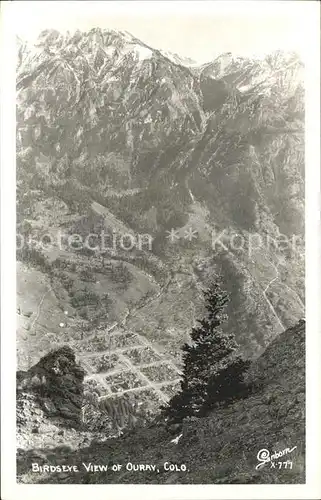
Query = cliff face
x=56 y=381
x=221 y=448
x=49 y=403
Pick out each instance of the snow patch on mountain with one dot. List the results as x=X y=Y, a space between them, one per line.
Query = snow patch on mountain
x=143 y=52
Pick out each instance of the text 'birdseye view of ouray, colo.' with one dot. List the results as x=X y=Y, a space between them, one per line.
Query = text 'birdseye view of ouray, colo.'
x=160 y=262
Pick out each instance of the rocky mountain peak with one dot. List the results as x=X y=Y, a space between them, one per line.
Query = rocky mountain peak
x=113 y=128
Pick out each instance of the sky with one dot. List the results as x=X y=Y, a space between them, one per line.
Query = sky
x=199 y=30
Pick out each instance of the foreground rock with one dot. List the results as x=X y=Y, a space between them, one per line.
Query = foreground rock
x=56 y=385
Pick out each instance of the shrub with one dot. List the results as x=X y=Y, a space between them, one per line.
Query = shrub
x=87 y=275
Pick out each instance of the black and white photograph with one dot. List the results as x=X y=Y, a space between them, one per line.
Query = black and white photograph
x=160 y=250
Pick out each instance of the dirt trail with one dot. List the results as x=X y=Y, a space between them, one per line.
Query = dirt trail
x=39 y=307
x=271 y=305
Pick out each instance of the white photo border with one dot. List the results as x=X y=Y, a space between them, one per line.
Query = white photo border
x=310 y=12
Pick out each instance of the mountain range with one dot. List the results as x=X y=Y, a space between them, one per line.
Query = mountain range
x=203 y=165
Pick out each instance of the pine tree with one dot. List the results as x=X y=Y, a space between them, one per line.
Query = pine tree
x=212 y=367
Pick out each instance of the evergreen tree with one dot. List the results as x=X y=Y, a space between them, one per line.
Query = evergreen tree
x=213 y=369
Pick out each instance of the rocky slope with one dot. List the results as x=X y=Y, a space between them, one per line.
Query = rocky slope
x=56 y=382
x=221 y=448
